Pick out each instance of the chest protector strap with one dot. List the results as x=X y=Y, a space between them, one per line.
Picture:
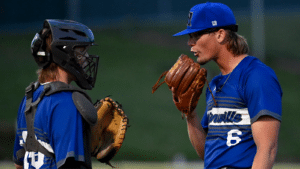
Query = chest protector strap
x=31 y=143
x=80 y=98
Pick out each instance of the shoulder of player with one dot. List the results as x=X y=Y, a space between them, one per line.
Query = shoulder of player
x=63 y=97
x=256 y=69
x=58 y=104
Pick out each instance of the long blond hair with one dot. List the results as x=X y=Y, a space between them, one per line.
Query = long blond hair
x=237 y=44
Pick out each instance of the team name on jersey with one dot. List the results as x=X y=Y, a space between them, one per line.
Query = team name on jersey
x=227 y=116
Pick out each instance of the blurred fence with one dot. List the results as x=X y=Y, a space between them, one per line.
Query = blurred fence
x=25 y=16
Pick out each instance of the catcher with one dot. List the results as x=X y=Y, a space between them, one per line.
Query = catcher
x=57 y=124
x=239 y=129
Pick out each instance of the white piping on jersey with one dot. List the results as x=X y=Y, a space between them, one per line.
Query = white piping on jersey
x=44 y=144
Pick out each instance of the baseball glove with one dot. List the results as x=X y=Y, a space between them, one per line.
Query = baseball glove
x=109 y=132
x=186 y=81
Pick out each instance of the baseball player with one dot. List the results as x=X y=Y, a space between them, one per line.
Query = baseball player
x=240 y=128
x=54 y=117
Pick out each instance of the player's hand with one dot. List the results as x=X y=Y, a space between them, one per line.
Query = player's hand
x=18 y=166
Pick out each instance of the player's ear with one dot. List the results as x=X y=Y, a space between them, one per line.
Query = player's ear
x=221 y=36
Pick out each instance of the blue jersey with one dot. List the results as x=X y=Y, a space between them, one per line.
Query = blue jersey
x=251 y=90
x=58 y=127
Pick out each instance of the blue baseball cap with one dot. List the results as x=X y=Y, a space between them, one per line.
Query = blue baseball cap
x=209 y=15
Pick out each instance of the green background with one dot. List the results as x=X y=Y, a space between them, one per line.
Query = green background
x=132 y=57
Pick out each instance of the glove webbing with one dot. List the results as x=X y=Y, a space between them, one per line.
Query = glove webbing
x=157 y=85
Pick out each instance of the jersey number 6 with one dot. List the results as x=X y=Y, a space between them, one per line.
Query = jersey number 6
x=232 y=138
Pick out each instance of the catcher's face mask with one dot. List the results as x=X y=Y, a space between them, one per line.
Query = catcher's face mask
x=68 y=35
x=86 y=64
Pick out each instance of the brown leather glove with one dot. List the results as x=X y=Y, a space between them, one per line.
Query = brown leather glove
x=186 y=80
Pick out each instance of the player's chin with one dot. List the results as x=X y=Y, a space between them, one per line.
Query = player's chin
x=201 y=61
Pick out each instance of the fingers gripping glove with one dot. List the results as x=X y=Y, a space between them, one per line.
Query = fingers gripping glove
x=109 y=132
x=186 y=81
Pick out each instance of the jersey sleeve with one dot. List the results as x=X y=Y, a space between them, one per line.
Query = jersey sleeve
x=263 y=94
x=204 y=120
x=19 y=151
x=67 y=132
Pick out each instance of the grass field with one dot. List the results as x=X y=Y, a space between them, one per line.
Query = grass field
x=170 y=165
x=157 y=165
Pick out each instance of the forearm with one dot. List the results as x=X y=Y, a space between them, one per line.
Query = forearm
x=265 y=134
x=265 y=158
x=196 y=133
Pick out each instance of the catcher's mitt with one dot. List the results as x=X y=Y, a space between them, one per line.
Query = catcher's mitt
x=109 y=132
x=186 y=80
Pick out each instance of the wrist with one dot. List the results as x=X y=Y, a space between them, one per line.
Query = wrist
x=191 y=116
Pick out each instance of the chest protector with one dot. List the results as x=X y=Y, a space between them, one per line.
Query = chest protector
x=80 y=98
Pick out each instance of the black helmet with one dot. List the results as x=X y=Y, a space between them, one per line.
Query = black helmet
x=66 y=35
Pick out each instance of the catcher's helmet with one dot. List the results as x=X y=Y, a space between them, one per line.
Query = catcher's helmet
x=66 y=36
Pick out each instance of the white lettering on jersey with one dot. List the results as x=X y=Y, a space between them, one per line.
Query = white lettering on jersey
x=34 y=159
x=231 y=139
x=227 y=116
